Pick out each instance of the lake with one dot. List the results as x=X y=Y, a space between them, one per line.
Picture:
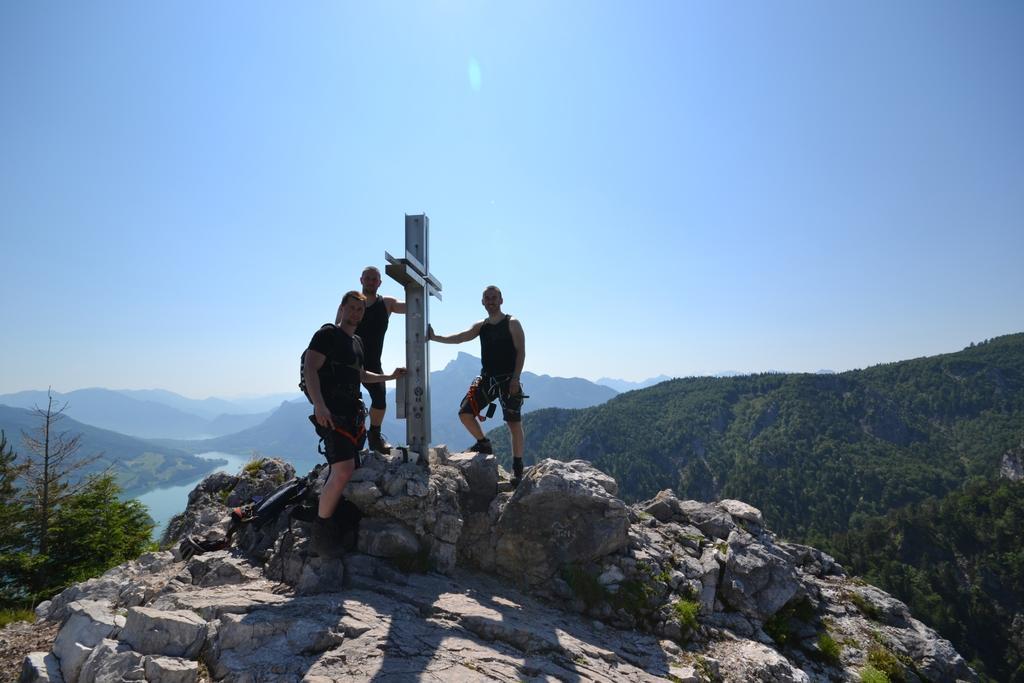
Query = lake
x=167 y=502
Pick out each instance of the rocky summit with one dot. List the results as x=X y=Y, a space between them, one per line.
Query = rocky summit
x=454 y=576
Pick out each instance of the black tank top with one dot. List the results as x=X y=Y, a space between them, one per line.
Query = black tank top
x=496 y=348
x=371 y=330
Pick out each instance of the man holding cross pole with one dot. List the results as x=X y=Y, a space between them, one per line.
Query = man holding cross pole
x=371 y=330
x=503 y=352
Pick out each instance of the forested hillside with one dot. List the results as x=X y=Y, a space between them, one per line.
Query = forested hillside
x=138 y=465
x=959 y=565
x=872 y=464
x=812 y=451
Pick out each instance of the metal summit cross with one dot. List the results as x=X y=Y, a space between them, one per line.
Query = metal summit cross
x=412 y=393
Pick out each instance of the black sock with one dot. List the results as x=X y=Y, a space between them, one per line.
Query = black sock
x=517 y=467
x=375 y=429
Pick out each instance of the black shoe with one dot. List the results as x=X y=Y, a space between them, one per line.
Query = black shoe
x=325 y=539
x=517 y=472
x=482 y=446
x=378 y=443
x=304 y=513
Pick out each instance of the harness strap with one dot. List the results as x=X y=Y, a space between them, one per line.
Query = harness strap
x=354 y=439
x=471 y=395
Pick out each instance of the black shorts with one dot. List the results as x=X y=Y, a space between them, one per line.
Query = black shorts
x=376 y=390
x=486 y=390
x=346 y=439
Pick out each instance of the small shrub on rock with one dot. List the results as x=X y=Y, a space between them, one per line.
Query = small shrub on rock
x=888 y=663
x=585 y=585
x=253 y=467
x=633 y=596
x=686 y=613
x=867 y=608
x=829 y=648
x=870 y=674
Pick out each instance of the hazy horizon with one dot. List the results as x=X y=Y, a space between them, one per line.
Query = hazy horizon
x=663 y=188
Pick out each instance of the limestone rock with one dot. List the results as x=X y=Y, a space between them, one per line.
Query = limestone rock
x=219 y=569
x=746 y=660
x=737 y=509
x=387 y=539
x=88 y=623
x=40 y=667
x=171 y=670
x=1012 y=465
x=480 y=470
x=709 y=519
x=561 y=514
x=129 y=583
x=757 y=580
x=176 y=633
x=665 y=590
x=112 y=661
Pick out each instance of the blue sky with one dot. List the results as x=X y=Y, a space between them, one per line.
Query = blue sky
x=186 y=189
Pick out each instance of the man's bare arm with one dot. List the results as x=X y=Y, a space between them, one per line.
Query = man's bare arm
x=471 y=333
x=368 y=377
x=310 y=368
x=394 y=305
x=515 y=328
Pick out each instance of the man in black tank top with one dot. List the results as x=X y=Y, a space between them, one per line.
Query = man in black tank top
x=503 y=352
x=332 y=368
x=371 y=330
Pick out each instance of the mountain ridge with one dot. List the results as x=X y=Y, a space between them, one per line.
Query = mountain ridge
x=144 y=414
x=139 y=465
x=287 y=432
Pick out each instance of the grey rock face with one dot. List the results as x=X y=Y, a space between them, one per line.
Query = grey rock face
x=171 y=670
x=480 y=471
x=219 y=569
x=40 y=667
x=112 y=661
x=561 y=514
x=129 y=584
x=175 y=633
x=681 y=592
x=709 y=519
x=88 y=623
x=740 y=511
x=750 y=661
x=757 y=580
x=387 y=539
x=1012 y=465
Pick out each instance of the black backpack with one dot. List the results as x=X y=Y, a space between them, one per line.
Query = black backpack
x=257 y=512
x=302 y=363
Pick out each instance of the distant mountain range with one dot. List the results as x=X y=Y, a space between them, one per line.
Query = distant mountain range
x=287 y=432
x=448 y=387
x=174 y=424
x=622 y=385
x=139 y=465
x=155 y=413
x=211 y=408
